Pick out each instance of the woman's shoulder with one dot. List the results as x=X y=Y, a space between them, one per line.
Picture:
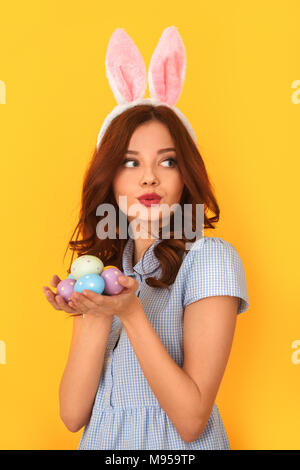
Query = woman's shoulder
x=211 y=267
x=208 y=254
x=210 y=246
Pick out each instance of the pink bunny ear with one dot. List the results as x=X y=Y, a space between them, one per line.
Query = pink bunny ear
x=125 y=68
x=167 y=67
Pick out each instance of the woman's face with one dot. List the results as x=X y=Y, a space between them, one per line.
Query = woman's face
x=148 y=167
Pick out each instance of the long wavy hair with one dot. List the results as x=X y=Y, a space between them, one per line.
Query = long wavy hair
x=97 y=189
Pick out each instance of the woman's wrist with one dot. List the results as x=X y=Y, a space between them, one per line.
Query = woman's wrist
x=92 y=321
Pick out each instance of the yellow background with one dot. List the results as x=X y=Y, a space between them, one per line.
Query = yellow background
x=242 y=59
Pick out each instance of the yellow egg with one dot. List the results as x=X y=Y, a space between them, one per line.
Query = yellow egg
x=106 y=267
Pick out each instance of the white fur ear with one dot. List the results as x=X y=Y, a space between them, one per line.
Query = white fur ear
x=125 y=68
x=167 y=68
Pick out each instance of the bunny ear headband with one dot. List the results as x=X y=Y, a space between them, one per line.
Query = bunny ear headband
x=126 y=73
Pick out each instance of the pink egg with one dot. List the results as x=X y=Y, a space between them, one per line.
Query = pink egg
x=65 y=288
x=110 y=277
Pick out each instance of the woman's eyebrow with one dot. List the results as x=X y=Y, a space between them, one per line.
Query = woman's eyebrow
x=159 y=151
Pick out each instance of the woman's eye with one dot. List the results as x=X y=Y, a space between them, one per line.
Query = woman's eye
x=171 y=160
x=127 y=160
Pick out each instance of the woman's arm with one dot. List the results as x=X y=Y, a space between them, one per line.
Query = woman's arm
x=187 y=394
x=83 y=370
x=209 y=326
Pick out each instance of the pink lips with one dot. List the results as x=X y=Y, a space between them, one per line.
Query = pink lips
x=149 y=202
x=149 y=199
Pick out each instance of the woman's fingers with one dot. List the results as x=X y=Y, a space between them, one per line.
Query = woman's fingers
x=75 y=307
x=56 y=300
x=55 y=280
x=50 y=296
x=63 y=304
x=82 y=303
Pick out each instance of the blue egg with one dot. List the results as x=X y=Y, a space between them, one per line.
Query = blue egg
x=92 y=282
x=70 y=276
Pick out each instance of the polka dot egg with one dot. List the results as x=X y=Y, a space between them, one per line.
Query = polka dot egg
x=92 y=282
x=65 y=288
x=86 y=264
x=110 y=276
x=107 y=267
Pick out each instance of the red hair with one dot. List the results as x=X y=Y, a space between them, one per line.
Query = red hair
x=97 y=189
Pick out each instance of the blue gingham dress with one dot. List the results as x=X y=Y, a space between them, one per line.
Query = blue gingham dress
x=126 y=414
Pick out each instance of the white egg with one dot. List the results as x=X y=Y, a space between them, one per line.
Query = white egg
x=86 y=264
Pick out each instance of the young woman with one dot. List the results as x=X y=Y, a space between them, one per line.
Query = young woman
x=145 y=366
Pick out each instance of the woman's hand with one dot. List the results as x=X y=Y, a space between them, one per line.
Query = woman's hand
x=55 y=300
x=122 y=305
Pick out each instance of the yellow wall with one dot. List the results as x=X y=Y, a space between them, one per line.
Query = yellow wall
x=242 y=61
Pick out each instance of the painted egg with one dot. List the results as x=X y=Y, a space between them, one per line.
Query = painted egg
x=110 y=276
x=71 y=277
x=65 y=288
x=86 y=264
x=92 y=282
x=107 y=267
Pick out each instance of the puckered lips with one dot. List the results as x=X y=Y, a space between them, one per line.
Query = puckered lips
x=149 y=199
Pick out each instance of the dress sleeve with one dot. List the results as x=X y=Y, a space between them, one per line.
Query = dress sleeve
x=214 y=267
